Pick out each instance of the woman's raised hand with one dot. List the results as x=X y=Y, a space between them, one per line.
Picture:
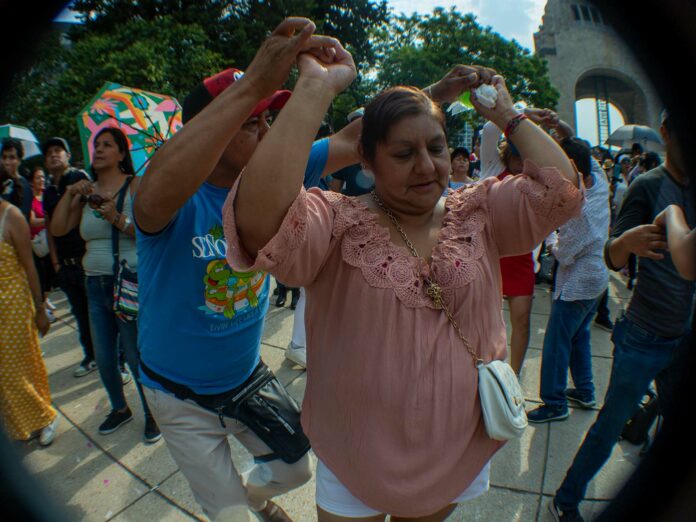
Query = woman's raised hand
x=503 y=111
x=278 y=53
x=325 y=59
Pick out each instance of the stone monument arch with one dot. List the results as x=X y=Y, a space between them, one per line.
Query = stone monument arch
x=587 y=59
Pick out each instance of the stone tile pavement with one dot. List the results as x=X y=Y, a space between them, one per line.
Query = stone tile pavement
x=118 y=477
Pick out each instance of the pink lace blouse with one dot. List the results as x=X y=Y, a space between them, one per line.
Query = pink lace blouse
x=391 y=405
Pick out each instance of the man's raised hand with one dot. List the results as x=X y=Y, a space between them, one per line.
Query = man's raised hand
x=458 y=80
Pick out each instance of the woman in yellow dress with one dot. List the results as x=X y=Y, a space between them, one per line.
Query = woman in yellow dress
x=25 y=400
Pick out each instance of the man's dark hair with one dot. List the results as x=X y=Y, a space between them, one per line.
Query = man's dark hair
x=579 y=152
x=459 y=151
x=650 y=160
x=636 y=147
x=12 y=143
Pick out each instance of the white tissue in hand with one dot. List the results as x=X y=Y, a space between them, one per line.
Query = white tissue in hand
x=487 y=95
x=457 y=108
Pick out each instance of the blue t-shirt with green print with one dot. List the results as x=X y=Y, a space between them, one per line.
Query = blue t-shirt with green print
x=200 y=322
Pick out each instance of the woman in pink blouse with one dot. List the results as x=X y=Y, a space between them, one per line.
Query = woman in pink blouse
x=391 y=405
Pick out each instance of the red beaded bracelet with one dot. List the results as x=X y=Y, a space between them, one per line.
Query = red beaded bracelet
x=513 y=123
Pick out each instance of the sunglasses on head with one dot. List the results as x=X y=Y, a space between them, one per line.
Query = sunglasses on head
x=93 y=200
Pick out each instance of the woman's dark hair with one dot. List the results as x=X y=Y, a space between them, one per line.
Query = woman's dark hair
x=126 y=164
x=12 y=143
x=37 y=168
x=578 y=151
x=15 y=190
x=390 y=107
x=459 y=151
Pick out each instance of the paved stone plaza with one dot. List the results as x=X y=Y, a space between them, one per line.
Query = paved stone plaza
x=118 y=477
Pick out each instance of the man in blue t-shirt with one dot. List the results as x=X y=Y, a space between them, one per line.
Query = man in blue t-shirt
x=201 y=322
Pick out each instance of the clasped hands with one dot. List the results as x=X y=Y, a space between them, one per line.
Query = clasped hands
x=323 y=58
x=294 y=42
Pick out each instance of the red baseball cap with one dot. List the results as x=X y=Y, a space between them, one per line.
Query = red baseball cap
x=211 y=87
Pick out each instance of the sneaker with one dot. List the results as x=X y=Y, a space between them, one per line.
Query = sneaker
x=297 y=354
x=604 y=323
x=585 y=402
x=152 y=433
x=51 y=318
x=115 y=420
x=85 y=368
x=50 y=305
x=126 y=376
x=564 y=516
x=545 y=414
x=49 y=432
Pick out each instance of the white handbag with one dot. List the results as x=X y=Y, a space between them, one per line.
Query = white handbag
x=39 y=244
x=502 y=400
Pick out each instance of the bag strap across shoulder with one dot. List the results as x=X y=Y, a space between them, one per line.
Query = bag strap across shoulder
x=114 y=231
x=432 y=289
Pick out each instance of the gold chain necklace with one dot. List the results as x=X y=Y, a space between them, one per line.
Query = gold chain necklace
x=432 y=289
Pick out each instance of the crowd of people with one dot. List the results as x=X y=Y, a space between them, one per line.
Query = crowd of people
x=398 y=252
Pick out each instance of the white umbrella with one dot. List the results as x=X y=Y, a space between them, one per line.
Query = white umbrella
x=24 y=135
x=627 y=135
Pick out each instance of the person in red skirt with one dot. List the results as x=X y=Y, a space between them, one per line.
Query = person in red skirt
x=518 y=277
x=517 y=271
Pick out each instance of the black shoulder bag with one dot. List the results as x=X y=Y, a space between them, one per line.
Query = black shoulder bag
x=260 y=402
x=125 y=279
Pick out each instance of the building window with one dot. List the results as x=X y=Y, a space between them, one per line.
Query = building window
x=576 y=12
x=585 y=13
x=596 y=17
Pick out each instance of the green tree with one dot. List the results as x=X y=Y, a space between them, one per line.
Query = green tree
x=235 y=30
x=418 y=50
x=28 y=95
x=157 y=55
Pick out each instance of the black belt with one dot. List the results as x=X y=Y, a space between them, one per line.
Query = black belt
x=183 y=392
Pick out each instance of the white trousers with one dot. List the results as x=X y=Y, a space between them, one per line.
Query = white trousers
x=198 y=444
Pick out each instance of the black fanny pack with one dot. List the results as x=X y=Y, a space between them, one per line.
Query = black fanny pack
x=261 y=403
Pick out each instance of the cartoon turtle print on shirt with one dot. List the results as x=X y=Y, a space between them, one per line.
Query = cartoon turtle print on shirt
x=228 y=291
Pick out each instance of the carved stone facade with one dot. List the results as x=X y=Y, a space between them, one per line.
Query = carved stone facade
x=586 y=57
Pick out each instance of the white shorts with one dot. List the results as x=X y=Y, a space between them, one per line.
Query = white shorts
x=334 y=498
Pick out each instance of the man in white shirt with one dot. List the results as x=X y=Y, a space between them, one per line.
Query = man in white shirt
x=581 y=280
